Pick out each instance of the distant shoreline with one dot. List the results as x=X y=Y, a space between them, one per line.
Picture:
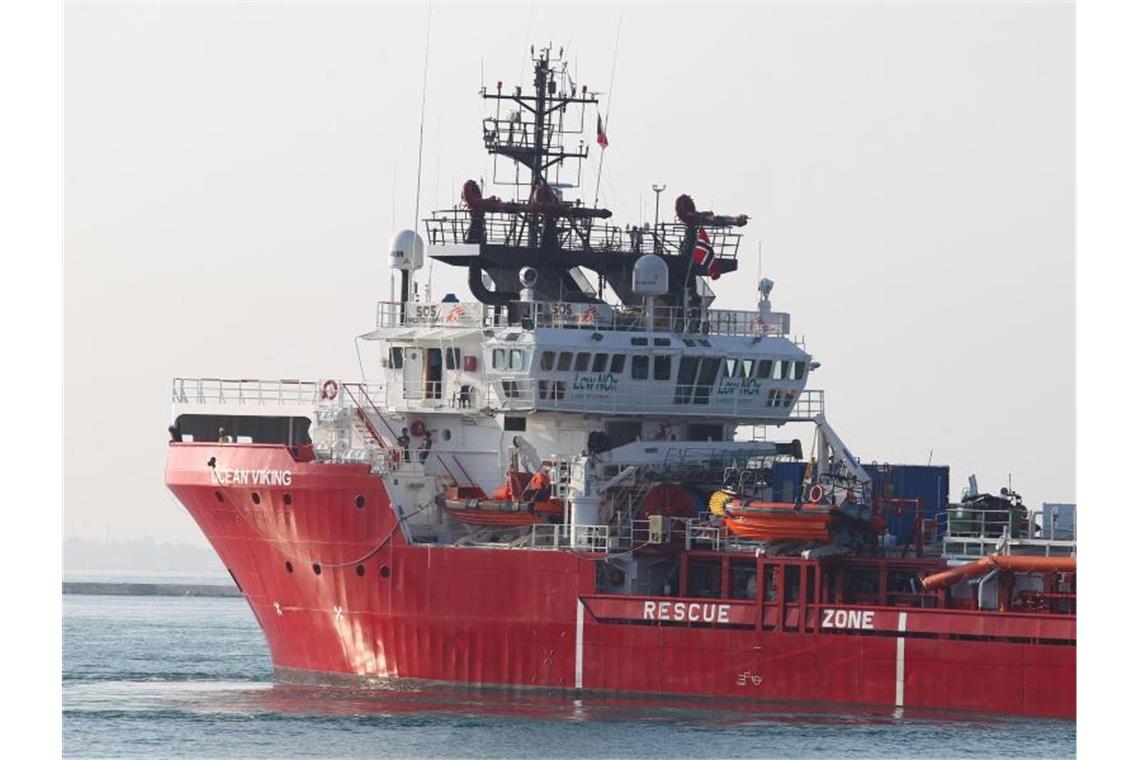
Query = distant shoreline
x=87 y=588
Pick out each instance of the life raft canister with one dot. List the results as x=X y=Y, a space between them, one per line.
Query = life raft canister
x=329 y=390
x=815 y=495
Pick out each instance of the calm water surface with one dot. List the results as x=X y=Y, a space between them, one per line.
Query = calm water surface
x=190 y=677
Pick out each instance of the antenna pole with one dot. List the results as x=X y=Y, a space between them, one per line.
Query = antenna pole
x=606 y=121
x=423 y=107
x=656 y=218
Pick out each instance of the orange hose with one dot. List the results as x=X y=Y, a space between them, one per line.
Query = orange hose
x=1016 y=564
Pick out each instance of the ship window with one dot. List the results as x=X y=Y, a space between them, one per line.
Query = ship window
x=434 y=372
x=662 y=342
x=288 y=566
x=746 y=367
x=559 y=390
x=688 y=342
x=704 y=342
x=564 y=359
x=510 y=389
x=639 y=341
x=600 y=362
x=662 y=367
x=256 y=497
x=789 y=398
x=316 y=568
x=729 y=367
x=499 y=358
x=360 y=570
x=517 y=424
x=396 y=357
x=582 y=362
x=617 y=364
x=542 y=389
x=640 y=368
x=798 y=368
x=686 y=377
x=517 y=359
x=782 y=368
x=359 y=502
x=451 y=358
x=546 y=363
x=763 y=369
x=705 y=379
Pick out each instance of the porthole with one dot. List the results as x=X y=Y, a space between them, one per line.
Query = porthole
x=447 y=434
x=384 y=571
x=288 y=566
x=360 y=502
x=218 y=496
x=287 y=498
x=256 y=497
x=360 y=570
x=316 y=568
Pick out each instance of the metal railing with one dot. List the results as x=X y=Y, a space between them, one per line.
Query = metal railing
x=971 y=533
x=455 y=227
x=585 y=316
x=592 y=538
x=213 y=390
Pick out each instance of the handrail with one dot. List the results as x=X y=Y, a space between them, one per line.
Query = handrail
x=586 y=316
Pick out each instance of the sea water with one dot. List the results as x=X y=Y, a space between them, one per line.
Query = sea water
x=190 y=677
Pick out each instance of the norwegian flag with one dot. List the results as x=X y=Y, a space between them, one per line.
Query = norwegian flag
x=602 y=139
x=704 y=256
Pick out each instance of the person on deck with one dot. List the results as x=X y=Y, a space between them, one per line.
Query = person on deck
x=404 y=441
x=425 y=447
x=222 y=437
x=539 y=486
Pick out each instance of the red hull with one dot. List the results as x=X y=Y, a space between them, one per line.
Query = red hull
x=380 y=607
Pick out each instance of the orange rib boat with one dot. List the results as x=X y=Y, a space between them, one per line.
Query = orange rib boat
x=471 y=505
x=770 y=521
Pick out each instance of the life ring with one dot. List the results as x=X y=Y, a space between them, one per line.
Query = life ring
x=329 y=390
x=418 y=428
x=815 y=495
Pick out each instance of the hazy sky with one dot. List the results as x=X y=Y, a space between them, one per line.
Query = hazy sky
x=232 y=172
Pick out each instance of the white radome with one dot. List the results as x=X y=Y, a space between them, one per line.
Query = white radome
x=406 y=250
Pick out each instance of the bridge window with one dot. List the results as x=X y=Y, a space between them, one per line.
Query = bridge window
x=783 y=369
x=662 y=367
x=396 y=357
x=640 y=367
x=710 y=365
x=662 y=342
x=600 y=362
x=763 y=369
x=639 y=341
x=729 y=367
x=686 y=377
x=451 y=358
x=564 y=359
x=617 y=364
x=546 y=363
x=517 y=359
x=499 y=358
x=582 y=362
x=798 y=368
x=747 y=366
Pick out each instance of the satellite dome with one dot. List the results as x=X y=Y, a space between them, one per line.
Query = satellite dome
x=406 y=251
x=650 y=276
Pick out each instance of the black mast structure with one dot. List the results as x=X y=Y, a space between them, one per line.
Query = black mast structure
x=539 y=229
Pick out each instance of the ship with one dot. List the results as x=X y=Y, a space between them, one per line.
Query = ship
x=574 y=480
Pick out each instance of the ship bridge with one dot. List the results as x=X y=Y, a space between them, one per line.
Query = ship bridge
x=739 y=366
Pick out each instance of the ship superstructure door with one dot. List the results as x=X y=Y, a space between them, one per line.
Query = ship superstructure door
x=414 y=373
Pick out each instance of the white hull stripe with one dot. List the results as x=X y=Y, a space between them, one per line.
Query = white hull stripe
x=900 y=663
x=580 y=624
